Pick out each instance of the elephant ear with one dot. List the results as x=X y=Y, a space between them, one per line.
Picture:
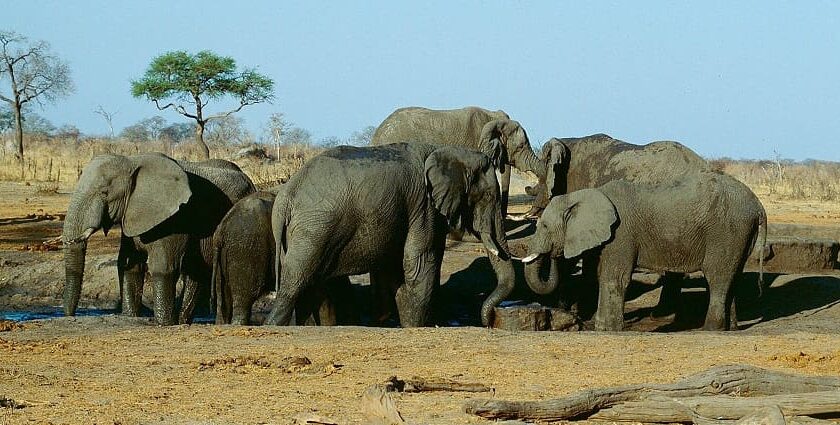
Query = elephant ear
x=589 y=217
x=447 y=184
x=158 y=188
x=495 y=150
x=492 y=130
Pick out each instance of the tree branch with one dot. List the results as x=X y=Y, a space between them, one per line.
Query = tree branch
x=178 y=108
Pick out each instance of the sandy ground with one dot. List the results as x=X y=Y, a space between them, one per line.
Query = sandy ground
x=116 y=370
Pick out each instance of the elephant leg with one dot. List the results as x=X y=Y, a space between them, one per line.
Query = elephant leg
x=131 y=270
x=313 y=308
x=383 y=284
x=721 y=315
x=296 y=276
x=240 y=312
x=669 y=297
x=164 y=271
x=505 y=188
x=422 y=277
x=612 y=285
x=196 y=293
x=164 y=284
x=336 y=304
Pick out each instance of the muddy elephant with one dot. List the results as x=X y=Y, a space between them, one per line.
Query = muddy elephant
x=587 y=162
x=243 y=269
x=705 y=222
x=387 y=215
x=490 y=132
x=167 y=211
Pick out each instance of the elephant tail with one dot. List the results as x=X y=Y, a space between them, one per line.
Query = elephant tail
x=218 y=291
x=762 y=228
x=279 y=222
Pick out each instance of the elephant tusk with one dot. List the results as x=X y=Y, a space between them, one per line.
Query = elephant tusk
x=85 y=236
x=529 y=258
x=522 y=217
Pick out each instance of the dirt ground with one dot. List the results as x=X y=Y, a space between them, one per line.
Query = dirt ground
x=116 y=370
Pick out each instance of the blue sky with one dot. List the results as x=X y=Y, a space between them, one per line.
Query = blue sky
x=744 y=79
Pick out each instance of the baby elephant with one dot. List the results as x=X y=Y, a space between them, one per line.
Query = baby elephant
x=705 y=222
x=243 y=268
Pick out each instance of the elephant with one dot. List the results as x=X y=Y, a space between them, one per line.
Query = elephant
x=490 y=132
x=243 y=270
x=587 y=162
x=167 y=211
x=705 y=221
x=387 y=215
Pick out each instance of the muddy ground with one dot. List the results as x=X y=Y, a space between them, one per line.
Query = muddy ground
x=110 y=369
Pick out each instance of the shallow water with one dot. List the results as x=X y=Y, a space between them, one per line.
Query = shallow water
x=52 y=312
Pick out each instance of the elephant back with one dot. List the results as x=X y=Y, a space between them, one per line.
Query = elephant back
x=598 y=159
x=438 y=126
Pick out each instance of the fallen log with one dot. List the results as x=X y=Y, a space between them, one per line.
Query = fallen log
x=417 y=385
x=741 y=380
x=659 y=409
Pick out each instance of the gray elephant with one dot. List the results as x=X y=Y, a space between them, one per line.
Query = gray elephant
x=705 y=222
x=243 y=269
x=387 y=215
x=490 y=132
x=587 y=162
x=167 y=210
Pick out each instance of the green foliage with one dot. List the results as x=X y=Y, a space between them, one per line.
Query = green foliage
x=195 y=79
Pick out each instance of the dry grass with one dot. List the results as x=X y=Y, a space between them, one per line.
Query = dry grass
x=55 y=163
x=810 y=180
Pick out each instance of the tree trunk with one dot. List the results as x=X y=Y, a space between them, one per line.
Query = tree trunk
x=18 y=131
x=199 y=139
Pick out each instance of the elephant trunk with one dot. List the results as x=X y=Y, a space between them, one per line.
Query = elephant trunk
x=503 y=268
x=531 y=163
x=533 y=275
x=82 y=220
x=74 y=268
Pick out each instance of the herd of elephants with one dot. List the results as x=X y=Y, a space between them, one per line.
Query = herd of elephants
x=387 y=209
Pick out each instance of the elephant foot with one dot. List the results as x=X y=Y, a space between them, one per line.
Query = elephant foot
x=611 y=325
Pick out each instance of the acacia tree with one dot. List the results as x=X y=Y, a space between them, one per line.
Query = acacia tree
x=189 y=82
x=34 y=73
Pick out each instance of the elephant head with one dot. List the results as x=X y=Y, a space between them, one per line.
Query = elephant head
x=570 y=225
x=137 y=192
x=462 y=186
x=555 y=157
x=515 y=149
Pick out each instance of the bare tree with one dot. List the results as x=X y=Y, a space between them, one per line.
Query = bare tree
x=362 y=137
x=109 y=118
x=276 y=128
x=34 y=73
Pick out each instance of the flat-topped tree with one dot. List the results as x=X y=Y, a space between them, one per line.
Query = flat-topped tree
x=189 y=82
